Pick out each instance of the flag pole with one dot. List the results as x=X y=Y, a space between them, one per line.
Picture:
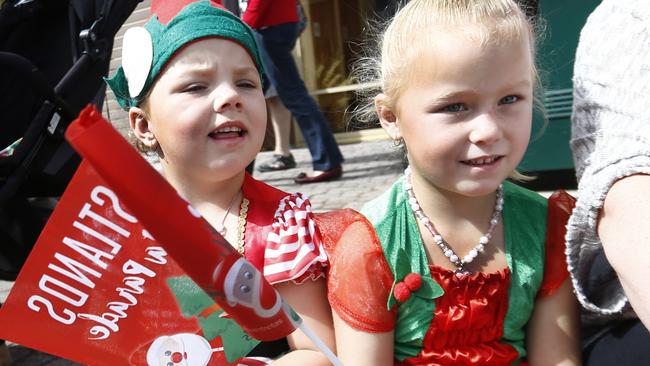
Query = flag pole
x=320 y=344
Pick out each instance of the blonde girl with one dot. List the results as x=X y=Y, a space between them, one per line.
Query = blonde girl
x=470 y=274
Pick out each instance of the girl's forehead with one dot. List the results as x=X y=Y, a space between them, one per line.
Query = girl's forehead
x=467 y=68
x=456 y=54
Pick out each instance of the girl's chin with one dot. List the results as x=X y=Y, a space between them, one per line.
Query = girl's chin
x=220 y=170
x=478 y=189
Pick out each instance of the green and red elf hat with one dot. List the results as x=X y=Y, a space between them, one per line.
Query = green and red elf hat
x=173 y=24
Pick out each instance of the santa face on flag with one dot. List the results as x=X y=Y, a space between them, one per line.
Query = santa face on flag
x=183 y=349
x=243 y=285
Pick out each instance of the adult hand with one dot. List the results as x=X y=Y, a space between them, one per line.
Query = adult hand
x=624 y=230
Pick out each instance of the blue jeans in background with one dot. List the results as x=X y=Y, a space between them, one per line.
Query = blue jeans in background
x=275 y=45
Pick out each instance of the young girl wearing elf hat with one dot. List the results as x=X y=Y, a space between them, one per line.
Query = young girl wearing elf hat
x=191 y=82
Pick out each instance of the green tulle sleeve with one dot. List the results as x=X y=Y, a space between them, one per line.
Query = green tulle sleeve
x=400 y=238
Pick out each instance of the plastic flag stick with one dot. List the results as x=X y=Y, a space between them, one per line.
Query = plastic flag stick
x=319 y=344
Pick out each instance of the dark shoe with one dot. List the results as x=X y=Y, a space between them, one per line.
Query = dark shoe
x=330 y=174
x=279 y=162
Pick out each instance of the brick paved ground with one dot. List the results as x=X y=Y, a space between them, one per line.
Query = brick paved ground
x=369 y=169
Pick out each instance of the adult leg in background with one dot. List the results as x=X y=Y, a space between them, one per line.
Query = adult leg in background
x=278 y=42
x=281 y=121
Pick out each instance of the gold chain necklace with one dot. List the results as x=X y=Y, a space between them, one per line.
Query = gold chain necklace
x=241 y=226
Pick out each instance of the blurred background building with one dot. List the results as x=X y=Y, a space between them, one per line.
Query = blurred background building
x=332 y=41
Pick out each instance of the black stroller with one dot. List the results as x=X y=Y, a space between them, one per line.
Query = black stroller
x=53 y=55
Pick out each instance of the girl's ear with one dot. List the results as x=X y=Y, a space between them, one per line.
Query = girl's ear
x=141 y=127
x=387 y=117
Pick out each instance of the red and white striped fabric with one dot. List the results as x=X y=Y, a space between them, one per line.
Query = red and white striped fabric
x=294 y=245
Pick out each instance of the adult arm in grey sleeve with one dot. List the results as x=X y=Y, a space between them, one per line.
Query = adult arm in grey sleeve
x=611 y=147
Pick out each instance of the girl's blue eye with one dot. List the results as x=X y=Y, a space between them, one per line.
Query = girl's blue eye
x=454 y=108
x=509 y=99
x=193 y=88
x=246 y=84
x=168 y=353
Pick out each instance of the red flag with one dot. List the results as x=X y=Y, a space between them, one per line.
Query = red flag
x=205 y=255
x=98 y=289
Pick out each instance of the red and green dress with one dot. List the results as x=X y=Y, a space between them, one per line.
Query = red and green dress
x=477 y=319
x=280 y=237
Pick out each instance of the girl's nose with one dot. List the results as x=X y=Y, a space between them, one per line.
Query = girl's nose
x=225 y=97
x=485 y=129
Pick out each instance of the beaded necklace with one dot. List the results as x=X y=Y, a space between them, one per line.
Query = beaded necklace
x=440 y=241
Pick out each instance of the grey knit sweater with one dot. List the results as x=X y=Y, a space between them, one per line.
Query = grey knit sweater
x=610 y=136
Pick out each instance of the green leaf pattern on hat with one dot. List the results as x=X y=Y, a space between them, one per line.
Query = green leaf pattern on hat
x=195 y=21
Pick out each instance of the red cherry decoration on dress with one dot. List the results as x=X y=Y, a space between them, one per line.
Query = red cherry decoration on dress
x=401 y=292
x=413 y=281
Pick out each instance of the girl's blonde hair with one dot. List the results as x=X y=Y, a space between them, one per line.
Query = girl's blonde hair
x=413 y=30
x=412 y=34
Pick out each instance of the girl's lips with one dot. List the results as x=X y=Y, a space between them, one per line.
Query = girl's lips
x=483 y=161
x=228 y=130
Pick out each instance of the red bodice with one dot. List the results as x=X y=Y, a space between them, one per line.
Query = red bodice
x=468 y=322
